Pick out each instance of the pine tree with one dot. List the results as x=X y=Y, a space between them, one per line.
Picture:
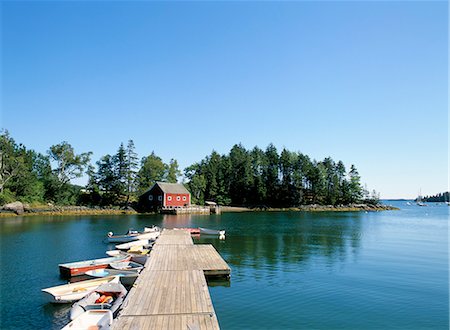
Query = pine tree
x=120 y=172
x=258 y=190
x=106 y=179
x=287 y=163
x=241 y=175
x=271 y=175
x=173 y=173
x=355 y=189
x=132 y=164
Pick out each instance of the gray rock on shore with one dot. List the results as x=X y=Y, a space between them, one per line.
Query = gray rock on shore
x=16 y=207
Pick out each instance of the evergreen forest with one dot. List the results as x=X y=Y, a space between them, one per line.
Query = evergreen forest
x=438 y=198
x=267 y=178
x=253 y=178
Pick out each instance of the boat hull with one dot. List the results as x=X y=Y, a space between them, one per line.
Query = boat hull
x=130 y=265
x=68 y=293
x=66 y=299
x=206 y=231
x=148 y=233
x=126 y=277
x=139 y=258
x=114 y=253
x=81 y=267
x=127 y=246
x=122 y=239
x=116 y=293
x=71 y=272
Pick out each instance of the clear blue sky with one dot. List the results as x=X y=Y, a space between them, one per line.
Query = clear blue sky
x=362 y=82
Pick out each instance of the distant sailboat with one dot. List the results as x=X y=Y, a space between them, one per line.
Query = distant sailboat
x=419 y=199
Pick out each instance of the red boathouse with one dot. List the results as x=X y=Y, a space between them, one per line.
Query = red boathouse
x=167 y=195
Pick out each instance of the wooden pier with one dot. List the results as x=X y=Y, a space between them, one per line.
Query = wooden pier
x=193 y=209
x=171 y=292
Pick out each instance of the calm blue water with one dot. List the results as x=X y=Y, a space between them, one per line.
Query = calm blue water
x=290 y=270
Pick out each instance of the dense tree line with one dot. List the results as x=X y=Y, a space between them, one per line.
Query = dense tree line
x=438 y=198
x=29 y=176
x=265 y=178
x=121 y=178
x=254 y=177
x=117 y=179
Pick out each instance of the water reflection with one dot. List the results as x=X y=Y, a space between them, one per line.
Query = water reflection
x=289 y=240
x=174 y=221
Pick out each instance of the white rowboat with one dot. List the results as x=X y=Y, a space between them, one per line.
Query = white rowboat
x=68 y=293
x=140 y=256
x=126 y=265
x=107 y=296
x=115 y=253
x=206 y=231
x=127 y=246
x=132 y=235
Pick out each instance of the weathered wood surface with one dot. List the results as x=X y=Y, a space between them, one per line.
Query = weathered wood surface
x=174 y=237
x=185 y=322
x=188 y=257
x=171 y=292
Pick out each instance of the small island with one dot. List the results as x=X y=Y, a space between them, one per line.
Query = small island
x=438 y=198
x=32 y=183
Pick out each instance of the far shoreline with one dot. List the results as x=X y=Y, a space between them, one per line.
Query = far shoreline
x=315 y=208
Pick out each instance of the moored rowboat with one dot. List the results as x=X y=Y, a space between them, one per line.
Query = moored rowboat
x=137 y=253
x=80 y=267
x=126 y=265
x=127 y=246
x=207 y=231
x=127 y=277
x=107 y=296
x=133 y=235
x=152 y=229
x=121 y=238
x=68 y=293
x=115 y=253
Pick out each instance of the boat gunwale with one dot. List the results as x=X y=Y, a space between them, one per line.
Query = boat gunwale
x=92 y=262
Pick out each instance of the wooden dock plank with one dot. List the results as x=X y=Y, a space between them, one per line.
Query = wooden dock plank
x=171 y=292
x=175 y=237
x=196 y=257
x=175 y=322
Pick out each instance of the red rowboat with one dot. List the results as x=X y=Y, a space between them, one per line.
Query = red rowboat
x=80 y=267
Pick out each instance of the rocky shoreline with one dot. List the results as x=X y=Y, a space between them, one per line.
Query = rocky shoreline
x=17 y=208
x=343 y=208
